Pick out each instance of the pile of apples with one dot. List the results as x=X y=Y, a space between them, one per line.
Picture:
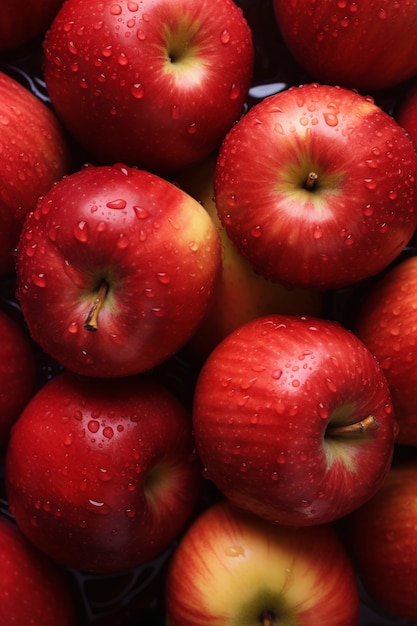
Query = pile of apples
x=208 y=312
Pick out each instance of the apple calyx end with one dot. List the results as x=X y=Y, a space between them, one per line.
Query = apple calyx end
x=367 y=424
x=91 y=322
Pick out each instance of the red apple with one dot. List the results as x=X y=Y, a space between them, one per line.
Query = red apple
x=102 y=475
x=116 y=268
x=363 y=45
x=240 y=295
x=34 y=154
x=293 y=420
x=387 y=324
x=19 y=24
x=154 y=83
x=384 y=541
x=234 y=568
x=33 y=589
x=17 y=373
x=316 y=186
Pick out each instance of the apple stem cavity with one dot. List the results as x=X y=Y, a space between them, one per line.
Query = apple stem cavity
x=311 y=181
x=367 y=424
x=91 y=323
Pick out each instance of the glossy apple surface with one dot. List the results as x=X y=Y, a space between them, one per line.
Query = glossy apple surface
x=233 y=568
x=316 y=186
x=387 y=324
x=17 y=373
x=362 y=45
x=33 y=589
x=102 y=475
x=108 y=265
x=240 y=294
x=384 y=539
x=293 y=420
x=34 y=154
x=152 y=83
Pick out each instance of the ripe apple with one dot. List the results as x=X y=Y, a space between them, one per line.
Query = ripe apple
x=316 y=186
x=240 y=294
x=384 y=542
x=293 y=420
x=33 y=589
x=34 y=154
x=116 y=268
x=102 y=475
x=19 y=27
x=363 y=45
x=17 y=373
x=387 y=323
x=154 y=83
x=234 y=568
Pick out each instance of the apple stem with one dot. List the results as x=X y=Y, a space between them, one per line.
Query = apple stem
x=311 y=180
x=369 y=423
x=91 y=323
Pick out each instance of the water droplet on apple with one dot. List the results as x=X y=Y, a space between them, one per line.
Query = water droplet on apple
x=256 y=232
x=69 y=439
x=370 y=183
x=140 y=34
x=93 y=426
x=131 y=513
x=81 y=231
x=115 y=9
x=234 y=551
x=331 y=118
x=193 y=245
x=39 y=280
x=104 y=475
x=163 y=278
x=175 y=112
x=234 y=92
x=158 y=312
x=274 y=476
x=72 y=47
x=243 y=468
x=331 y=385
x=192 y=128
x=225 y=36
x=117 y=203
x=317 y=232
x=122 y=59
x=323 y=411
x=98 y=507
x=122 y=242
x=108 y=432
x=140 y=212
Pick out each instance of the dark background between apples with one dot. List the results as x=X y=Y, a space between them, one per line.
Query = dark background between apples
x=137 y=596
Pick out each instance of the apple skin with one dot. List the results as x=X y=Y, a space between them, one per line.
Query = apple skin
x=384 y=542
x=19 y=27
x=150 y=245
x=366 y=46
x=34 y=154
x=265 y=437
x=33 y=589
x=155 y=84
x=240 y=294
x=359 y=213
x=17 y=373
x=101 y=475
x=387 y=322
x=234 y=568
